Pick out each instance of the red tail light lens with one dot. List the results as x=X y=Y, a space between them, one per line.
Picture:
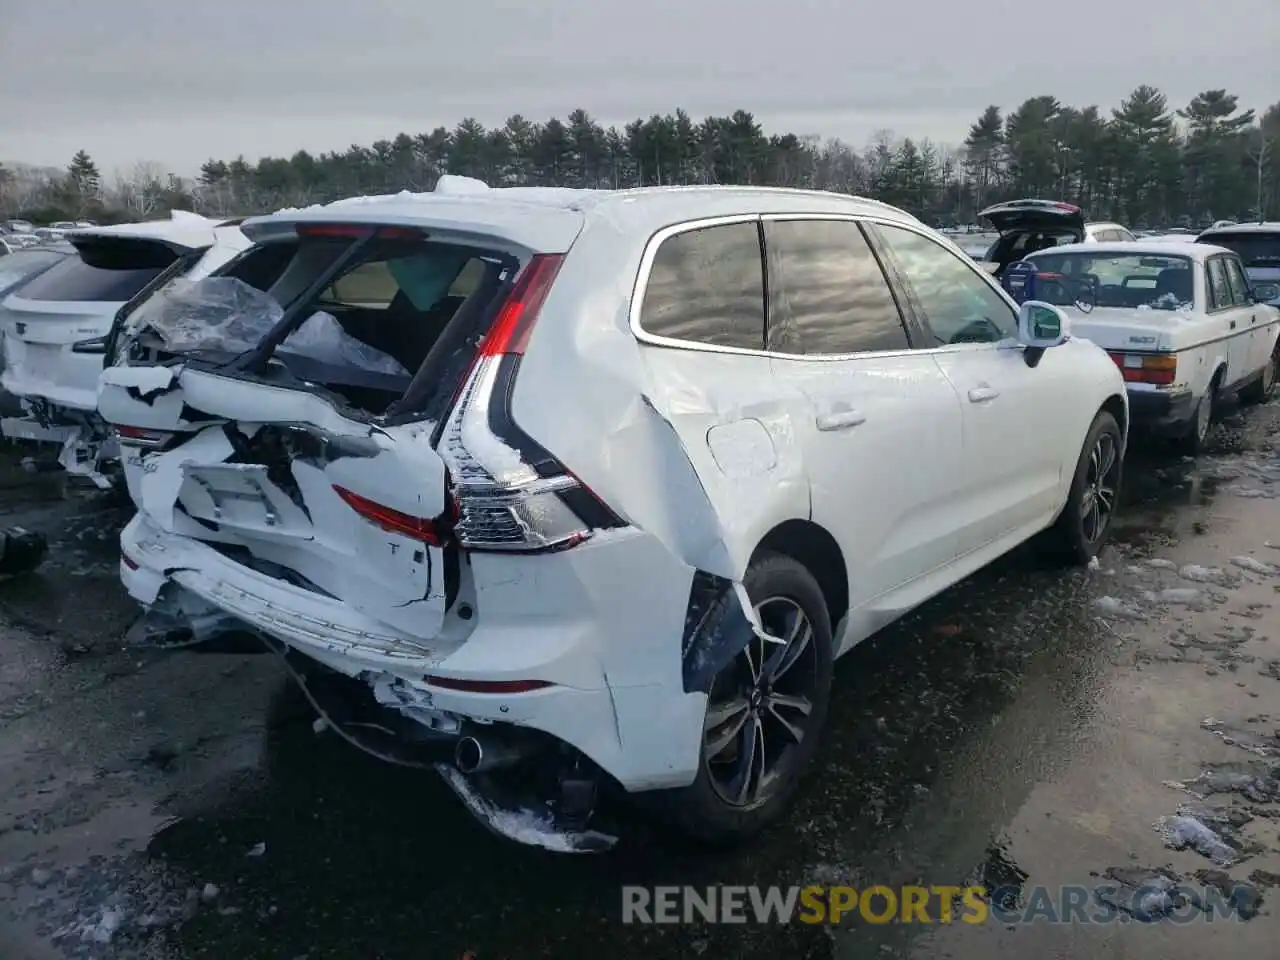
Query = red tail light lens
x=141 y=437
x=511 y=328
x=1160 y=369
x=416 y=528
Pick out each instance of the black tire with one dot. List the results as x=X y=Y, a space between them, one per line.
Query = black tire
x=1073 y=539
x=1260 y=390
x=703 y=810
x=1194 y=441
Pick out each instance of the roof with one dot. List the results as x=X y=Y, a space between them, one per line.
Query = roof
x=182 y=228
x=1147 y=246
x=549 y=218
x=1271 y=226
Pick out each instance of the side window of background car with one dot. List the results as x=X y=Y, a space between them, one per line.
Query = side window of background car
x=827 y=293
x=959 y=305
x=1219 y=289
x=1239 y=284
x=707 y=286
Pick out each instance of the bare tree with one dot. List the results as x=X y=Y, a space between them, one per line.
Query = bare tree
x=141 y=190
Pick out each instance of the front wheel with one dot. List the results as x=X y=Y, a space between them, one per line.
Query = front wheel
x=1082 y=526
x=765 y=711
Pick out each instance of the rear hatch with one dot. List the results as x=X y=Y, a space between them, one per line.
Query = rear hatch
x=1025 y=226
x=1046 y=216
x=53 y=323
x=1259 y=250
x=286 y=411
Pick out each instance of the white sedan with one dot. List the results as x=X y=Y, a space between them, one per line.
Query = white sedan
x=1181 y=319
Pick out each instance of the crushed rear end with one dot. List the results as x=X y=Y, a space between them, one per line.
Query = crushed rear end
x=356 y=495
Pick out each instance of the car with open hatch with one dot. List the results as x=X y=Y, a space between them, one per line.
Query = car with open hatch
x=558 y=490
x=1182 y=321
x=1025 y=226
x=54 y=326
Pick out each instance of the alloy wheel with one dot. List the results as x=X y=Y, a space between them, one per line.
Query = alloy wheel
x=759 y=706
x=1098 y=499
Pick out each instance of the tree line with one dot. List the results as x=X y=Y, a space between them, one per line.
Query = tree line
x=1144 y=163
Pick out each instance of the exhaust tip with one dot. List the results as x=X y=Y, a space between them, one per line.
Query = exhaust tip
x=468 y=755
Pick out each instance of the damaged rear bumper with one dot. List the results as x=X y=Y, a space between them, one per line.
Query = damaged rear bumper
x=584 y=646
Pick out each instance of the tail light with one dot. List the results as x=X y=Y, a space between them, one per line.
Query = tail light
x=1160 y=369
x=416 y=528
x=509 y=493
x=140 y=437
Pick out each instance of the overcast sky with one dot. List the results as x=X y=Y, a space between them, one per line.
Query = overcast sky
x=178 y=81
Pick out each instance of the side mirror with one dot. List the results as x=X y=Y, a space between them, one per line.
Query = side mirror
x=1041 y=325
x=1266 y=292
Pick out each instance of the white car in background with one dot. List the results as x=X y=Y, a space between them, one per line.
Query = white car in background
x=593 y=488
x=54 y=326
x=1181 y=320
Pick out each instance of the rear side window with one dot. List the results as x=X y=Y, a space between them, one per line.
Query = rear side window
x=1219 y=290
x=1236 y=278
x=74 y=280
x=707 y=286
x=827 y=294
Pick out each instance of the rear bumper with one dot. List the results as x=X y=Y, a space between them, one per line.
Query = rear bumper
x=1162 y=412
x=575 y=620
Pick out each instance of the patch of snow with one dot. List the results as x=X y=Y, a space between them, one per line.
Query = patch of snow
x=210 y=892
x=1254 y=565
x=1199 y=574
x=1180 y=832
x=1112 y=607
x=257 y=850
x=1094 y=564
x=1179 y=595
x=1161 y=564
x=104 y=928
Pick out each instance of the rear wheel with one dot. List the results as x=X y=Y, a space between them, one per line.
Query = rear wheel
x=1082 y=526
x=765 y=711
x=1195 y=439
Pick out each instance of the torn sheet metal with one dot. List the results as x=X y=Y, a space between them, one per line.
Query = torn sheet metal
x=524 y=824
x=83 y=455
x=720 y=623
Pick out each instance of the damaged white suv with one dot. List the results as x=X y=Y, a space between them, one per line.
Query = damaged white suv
x=586 y=487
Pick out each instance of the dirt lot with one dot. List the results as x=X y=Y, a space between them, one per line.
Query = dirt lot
x=1028 y=727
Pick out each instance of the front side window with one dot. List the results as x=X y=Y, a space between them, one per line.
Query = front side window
x=707 y=286
x=958 y=304
x=1219 y=289
x=827 y=293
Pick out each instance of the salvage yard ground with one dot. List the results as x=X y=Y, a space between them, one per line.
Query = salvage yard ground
x=1030 y=727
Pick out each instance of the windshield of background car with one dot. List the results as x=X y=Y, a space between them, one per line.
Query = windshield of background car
x=1255 y=249
x=1133 y=280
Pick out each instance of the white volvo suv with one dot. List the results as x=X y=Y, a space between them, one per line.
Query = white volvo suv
x=569 y=487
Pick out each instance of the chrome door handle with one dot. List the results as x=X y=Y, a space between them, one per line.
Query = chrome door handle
x=983 y=394
x=840 y=420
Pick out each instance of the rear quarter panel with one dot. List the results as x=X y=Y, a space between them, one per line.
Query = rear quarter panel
x=632 y=420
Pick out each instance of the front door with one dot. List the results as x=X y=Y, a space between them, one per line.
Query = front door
x=1013 y=415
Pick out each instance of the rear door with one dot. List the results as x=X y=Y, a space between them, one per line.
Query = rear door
x=1231 y=312
x=883 y=441
x=1016 y=423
